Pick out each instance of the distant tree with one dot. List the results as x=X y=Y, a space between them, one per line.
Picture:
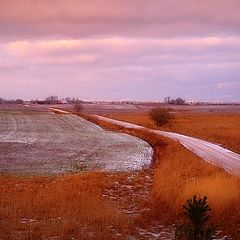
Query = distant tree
x=179 y=101
x=73 y=100
x=52 y=99
x=78 y=107
x=33 y=101
x=1 y=100
x=76 y=100
x=167 y=100
x=68 y=99
x=10 y=101
x=19 y=101
x=172 y=101
x=161 y=115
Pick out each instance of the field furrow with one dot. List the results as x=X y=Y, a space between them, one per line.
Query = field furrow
x=47 y=143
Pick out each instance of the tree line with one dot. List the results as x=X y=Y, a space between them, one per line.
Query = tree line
x=177 y=101
x=48 y=100
x=11 y=101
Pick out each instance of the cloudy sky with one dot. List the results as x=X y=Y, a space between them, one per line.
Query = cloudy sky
x=120 y=49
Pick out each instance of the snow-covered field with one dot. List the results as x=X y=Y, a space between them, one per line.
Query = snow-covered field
x=38 y=142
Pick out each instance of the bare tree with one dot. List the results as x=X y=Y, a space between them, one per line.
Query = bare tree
x=167 y=100
x=68 y=99
x=78 y=107
x=161 y=115
x=19 y=101
x=179 y=101
x=52 y=99
x=73 y=100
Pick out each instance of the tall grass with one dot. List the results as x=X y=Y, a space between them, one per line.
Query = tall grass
x=218 y=128
x=178 y=174
x=63 y=207
x=73 y=206
x=181 y=175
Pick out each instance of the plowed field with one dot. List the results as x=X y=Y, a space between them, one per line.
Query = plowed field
x=38 y=142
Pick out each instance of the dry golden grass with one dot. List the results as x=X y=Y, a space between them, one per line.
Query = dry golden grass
x=175 y=182
x=74 y=206
x=178 y=174
x=62 y=207
x=181 y=174
x=223 y=129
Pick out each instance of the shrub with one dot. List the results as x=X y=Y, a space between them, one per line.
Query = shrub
x=78 y=107
x=161 y=115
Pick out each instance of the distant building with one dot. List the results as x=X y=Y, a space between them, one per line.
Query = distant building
x=190 y=102
x=62 y=101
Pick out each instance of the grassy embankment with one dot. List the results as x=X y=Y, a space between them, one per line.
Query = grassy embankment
x=222 y=129
x=62 y=207
x=74 y=206
x=179 y=174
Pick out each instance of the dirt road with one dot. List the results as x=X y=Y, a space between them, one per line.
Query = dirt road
x=210 y=152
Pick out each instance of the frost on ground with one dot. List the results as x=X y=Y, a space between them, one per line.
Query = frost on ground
x=38 y=142
x=212 y=153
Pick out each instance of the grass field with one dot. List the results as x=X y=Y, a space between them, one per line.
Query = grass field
x=223 y=129
x=137 y=205
x=179 y=174
x=58 y=208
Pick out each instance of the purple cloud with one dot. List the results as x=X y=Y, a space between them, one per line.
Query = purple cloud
x=120 y=49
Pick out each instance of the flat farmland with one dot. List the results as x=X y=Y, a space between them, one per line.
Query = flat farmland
x=41 y=142
x=105 y=204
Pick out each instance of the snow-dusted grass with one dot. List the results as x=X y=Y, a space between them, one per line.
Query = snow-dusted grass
x=179 y=174
x=122 y=205
x=38 y=142
x=210 y=152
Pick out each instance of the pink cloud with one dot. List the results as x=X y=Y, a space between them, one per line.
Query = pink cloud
x=119 y=46
x=121 y=17
x=107 y=48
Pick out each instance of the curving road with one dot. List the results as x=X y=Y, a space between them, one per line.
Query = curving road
x=210 y=152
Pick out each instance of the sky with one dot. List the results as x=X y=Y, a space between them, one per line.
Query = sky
x=120 y=49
